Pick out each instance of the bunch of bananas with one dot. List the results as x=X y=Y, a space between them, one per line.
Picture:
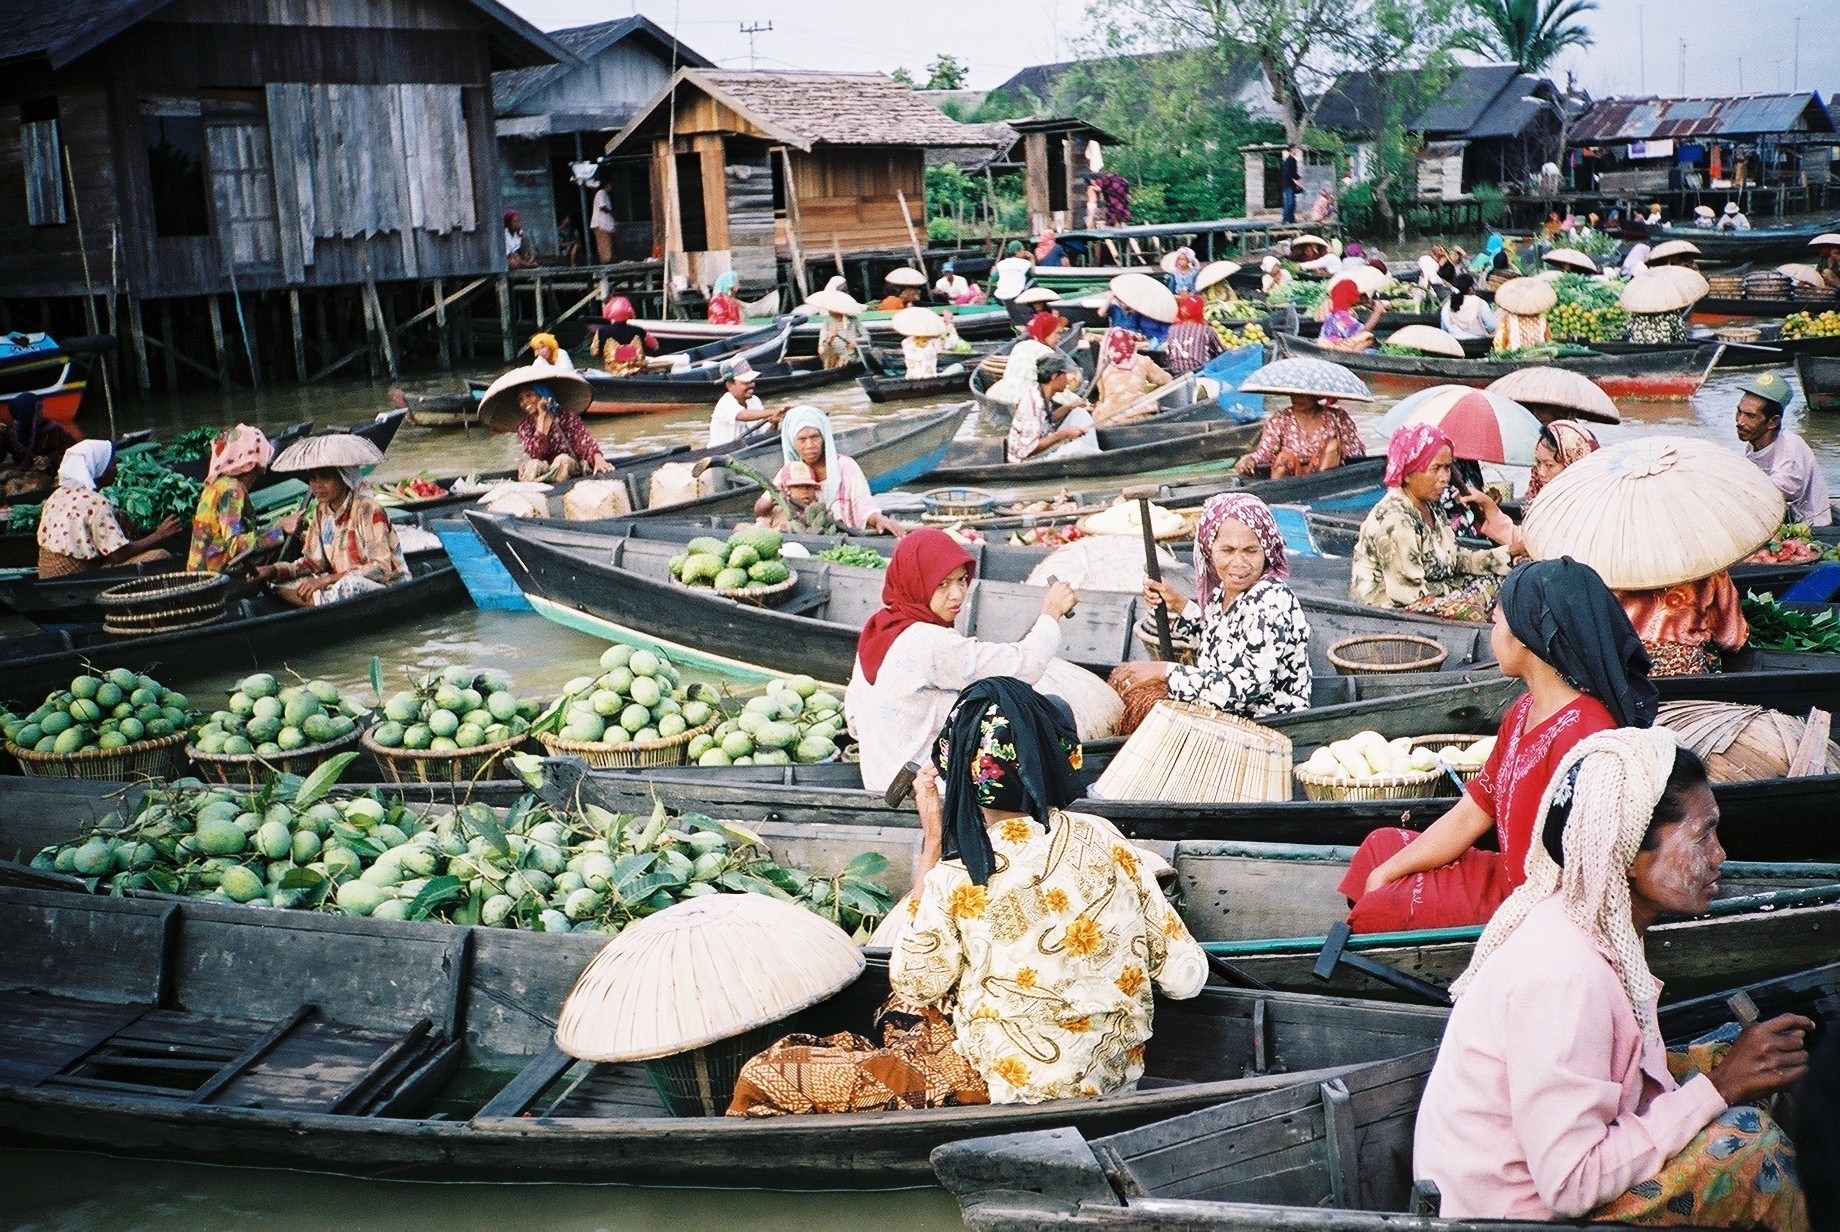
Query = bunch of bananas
x=1803 y=325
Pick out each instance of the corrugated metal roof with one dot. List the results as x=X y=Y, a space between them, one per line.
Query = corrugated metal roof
x=1647 y=119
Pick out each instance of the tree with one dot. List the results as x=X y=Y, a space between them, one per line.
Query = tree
x=945 y=73
x=1530 y=33
x=904 y=77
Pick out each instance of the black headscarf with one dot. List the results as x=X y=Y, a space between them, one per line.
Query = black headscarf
x=1008 y=747
x=1565 y=614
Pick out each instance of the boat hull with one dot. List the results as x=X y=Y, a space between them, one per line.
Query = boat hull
x=1647 y=376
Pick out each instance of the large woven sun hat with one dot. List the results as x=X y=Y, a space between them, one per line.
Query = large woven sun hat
x=1655 y=512
x=1671 y=249
x=1572 y=259
x=703 y=970
x=905 y=276
x=1314 y=378
x=1827 y=239
x=840 y=302
x=1687 y=279
x=1426 y=338
x=1482 y=426
x=1309 y=241
x=498 y=406
x=1654 y=291
x=917 y=322
x=1527 y=297
x=327 y=451
x=1214 y=273
x=1365 y=277
x=1798 y=272
x=1566 y=394
x=1036 y=295
x=1145 y=296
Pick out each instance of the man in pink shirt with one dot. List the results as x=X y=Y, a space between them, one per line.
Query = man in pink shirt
x=1552 y=1096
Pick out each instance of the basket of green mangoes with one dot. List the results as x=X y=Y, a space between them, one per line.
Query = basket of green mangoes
x=637 y=712
x=267 y=727
x=109 y=725
x=452 y=727
x=748 y=566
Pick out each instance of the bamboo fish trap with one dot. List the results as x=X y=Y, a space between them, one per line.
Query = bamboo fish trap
x=1743 y=743
x=1187 y=754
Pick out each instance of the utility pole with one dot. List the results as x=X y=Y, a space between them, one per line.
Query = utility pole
x=1798 y=54
x=1680 y=86
x=1641 y=52
x=751 y=31
x=1740 y=74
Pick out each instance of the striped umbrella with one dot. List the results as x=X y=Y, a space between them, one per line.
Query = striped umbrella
x=1482 y=426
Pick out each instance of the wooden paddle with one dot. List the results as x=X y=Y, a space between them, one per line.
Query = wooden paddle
x=1152 y=569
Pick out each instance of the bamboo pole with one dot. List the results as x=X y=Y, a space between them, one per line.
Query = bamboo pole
x=218 y=348
x=89 y=287
x=913 y=237
x=796 y=227
x=242 y=327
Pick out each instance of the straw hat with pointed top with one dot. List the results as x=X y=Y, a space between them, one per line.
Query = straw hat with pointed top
x=1558 y=392
x=327 y=451
x=905 y=276
x=1314 y=378
x=703 y=970
x=1146 y=296
x=1801 y=273
x=1827 y=239
x=840 y=302
x=1309 y=241
x=1036 y=295
x=1426 y=338
x=917 y=322
x=1650 y=292
x=1365 y=278
x=1571 y=258
x=1672 y=250
x=1689 y=280
x=1214 y=273
x=498 y=407
x=1527 y=297
x=1655 y=512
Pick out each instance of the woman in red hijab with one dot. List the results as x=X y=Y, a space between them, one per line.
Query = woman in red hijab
x=1192 y=342
x=911 y=662
x=1047 y=326
x=1342 y=330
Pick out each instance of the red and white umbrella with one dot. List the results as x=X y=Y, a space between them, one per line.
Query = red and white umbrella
x=1482 y=426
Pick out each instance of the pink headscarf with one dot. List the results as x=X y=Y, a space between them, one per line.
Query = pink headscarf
x=1255 y=515
x=1120 y=349
x=1044 y=246
x=238 y=451
x=1411 y=451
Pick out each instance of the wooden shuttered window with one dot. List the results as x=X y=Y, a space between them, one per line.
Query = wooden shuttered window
x=42 y=154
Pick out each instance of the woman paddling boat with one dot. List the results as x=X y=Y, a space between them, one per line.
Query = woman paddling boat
x=543 y=406
x=348 y=547
x=224 y=529
x=1124 y=378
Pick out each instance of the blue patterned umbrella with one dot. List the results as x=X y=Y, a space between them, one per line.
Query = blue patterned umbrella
x=1315 y=378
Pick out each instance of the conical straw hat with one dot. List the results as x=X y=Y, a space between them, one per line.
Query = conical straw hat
x=703 y=970
x=1801 y=273
x=498 y=406
x=1655 y=512
x=1689 y=280
x=1215 y=272
x=1527 y=297
x=1825 y=240
x=905 y=276
x=1560 y=388
x=1036 y=295
x=1651 y=292
x=1145 y=295
x=1571 y=258
x=327 y=451
x=1309 y=241
x=1427 y=338
x=840 y=302
x=1315 y=378
x=1671 y=249
x=1365 y=277
x=917 y=322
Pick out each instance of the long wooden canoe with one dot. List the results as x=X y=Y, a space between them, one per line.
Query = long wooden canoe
x=1667 y=374
x=696 y=381
x=1176 y=445
x=1769 y=244
x=885 y=379
x=1820 y=376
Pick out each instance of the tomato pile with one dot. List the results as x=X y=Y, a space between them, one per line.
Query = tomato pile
x=1793 y=545
x=414 y=488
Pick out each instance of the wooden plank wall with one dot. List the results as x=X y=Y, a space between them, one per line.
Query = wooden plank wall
x=43 y=260
x=849 y=192
x=750 y=216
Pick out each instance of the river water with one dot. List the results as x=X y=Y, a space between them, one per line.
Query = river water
x=87 y=1193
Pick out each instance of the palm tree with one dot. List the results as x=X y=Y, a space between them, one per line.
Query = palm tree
x=1531 y=33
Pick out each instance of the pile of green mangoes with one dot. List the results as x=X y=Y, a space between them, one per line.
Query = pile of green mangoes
x=794 y=721
x=453 y=710
x=1587 y=310
x=638 y=698
x=750 y=557
x=289 y=844
x=108 y=710
x=268 y=719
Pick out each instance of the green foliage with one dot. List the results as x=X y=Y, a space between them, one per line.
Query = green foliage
x=1493 y=204
x=1356 y=204
x=1530 y=33
x=945 y=73
x=144 y=492
x=904 y=77
x=952 y=195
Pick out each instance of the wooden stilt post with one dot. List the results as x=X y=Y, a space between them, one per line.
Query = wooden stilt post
x=913 y=237
x=217 y=343
x=374 y=312
x=794 y=233
x=242 y=326
x=440 y=324
x=300 y=338
x=166 y=347
x=137 y=334
x=504 y=314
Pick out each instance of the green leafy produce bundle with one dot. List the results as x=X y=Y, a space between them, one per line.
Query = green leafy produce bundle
x=1775 y=627
x=853 y=554
x=145 y=493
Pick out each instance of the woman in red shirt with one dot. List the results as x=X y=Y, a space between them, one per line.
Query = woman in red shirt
x=1559 y=629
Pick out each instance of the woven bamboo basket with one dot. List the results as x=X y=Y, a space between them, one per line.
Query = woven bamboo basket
x=1766 y=284
x=1439 y=740
x=253 y=769
x=430 y=766
x=760 y=596
x=1726 y=286
x=163 y=603
x=1186 y=650
x=671 y=751
x=1742 y=743
x=158 y=759
x=1806 y=293
x=1413 y=785
x=1737 y=333
x=1380 y=654
x=957 y=502
x=1188 y=754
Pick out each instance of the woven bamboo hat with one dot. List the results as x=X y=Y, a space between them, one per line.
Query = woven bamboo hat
x=498 y=407
x=703 y=970
x=1655 y=512
x=1036 y=295
x=1309 y=241
x=1365 y=277
x=1146 y=296
x=1671 y=249
x=327 y=451
x=1426 y=338
x=1214 y=273
x=905 y=276
x=917 y=322
x=1827 y=239
x=1660 y=290
x=1798 y=272
x=1314 y=378
x=840 y=302
x=1570 y=258
x=1558 y=389
x=1527 y=297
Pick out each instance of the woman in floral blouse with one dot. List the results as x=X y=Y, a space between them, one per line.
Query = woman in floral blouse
x=224 y=527
x=1254 y=656
x=1312 y=434
x=1407 y=555
x=348 y=547
x=1045 y=928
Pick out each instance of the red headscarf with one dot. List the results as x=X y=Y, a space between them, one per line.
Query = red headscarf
x=1411 y=451
x=1043 y=324
x=1120 y=349
x=1344 y=295
x=1045 y=246
x=921 y=561
x=1189 y=308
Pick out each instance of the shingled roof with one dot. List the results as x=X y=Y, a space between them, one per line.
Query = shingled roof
x=808 y=109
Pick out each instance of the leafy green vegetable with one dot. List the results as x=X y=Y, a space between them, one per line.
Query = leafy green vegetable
x=1775 y=627
x=193 y=446
x=145 y=492
x=851 y=554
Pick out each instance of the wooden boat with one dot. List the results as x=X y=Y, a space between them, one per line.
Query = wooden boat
x=1820 y=376
x=695 y=380
x=1663 y=374
x=974 y=322
x=1725 y=308
x=136 y=1026
x=197 y=468
x=1320 y=1156
x=884 y=376
x=1156 y=447
x=56 y=371
x=32 y=665
x=1760 y=244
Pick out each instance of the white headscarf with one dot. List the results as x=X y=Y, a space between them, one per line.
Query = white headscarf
x=84 y=463
x=1613 y=781
x=1019 y=371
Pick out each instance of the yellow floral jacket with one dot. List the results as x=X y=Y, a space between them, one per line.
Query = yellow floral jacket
x=1052 y=960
